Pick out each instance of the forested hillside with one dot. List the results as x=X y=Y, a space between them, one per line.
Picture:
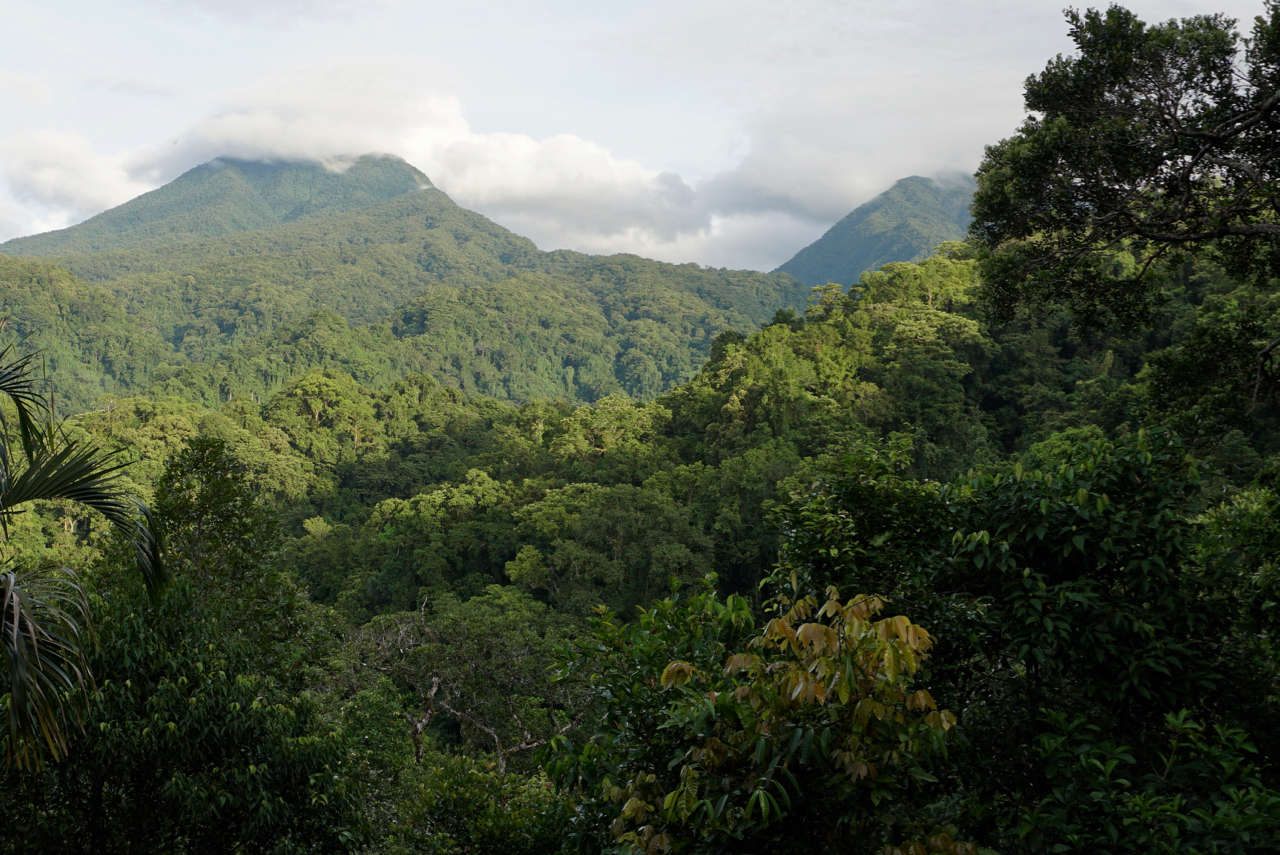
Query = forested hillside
x=976 y=556
x=904 y=223
x=225 y=271
x=904 y=352
x=424 y=555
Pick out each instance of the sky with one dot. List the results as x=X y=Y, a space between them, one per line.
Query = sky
x=730 y=133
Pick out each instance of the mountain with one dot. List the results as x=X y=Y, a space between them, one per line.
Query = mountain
x=238 y=276
x=88 y=342
x=228 y=196
x=904 y=223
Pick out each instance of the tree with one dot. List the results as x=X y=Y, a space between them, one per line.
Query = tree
x=45 y=612
x=225 y=540
x=1217 y=377
x=455 y=537
x=714 y=737
x=1153 y=141
x=621 y=546
x=1070 y=596
x=482 y=664
x=1201 y=794
x=465 y=805
x=188 y=746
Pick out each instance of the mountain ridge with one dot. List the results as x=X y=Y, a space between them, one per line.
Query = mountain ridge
x=230 y=196
x=904 y=223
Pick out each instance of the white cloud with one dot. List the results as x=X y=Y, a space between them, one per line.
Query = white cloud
x=273 y=11
x=32 y=88
x=830 y=147
x=325 y=113
x=576 y=186
x=796 y=112
x=13 y=220
x=563 y=190
x=754 y=241
x=63 y=179
x=840 y=98
x=135 y=86
x=566 y=189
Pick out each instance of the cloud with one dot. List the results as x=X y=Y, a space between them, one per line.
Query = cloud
x=13 y=220
x=797 y=171
x=839 y=98
x=271 y=11
x=830 y=147
x=32 y=88
x=135 y=86
x=324 y=113
x=62 y=177
x=707 y=130
x=759 y=241
x=576 y=186
x=563 y=187
x=563 y=191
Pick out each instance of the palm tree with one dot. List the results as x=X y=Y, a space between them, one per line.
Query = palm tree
x=45 y=618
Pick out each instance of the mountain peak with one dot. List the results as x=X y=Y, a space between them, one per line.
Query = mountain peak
x=229 y=195
x=904 y=223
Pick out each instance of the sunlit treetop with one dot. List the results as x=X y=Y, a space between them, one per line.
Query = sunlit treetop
x=1150 y=142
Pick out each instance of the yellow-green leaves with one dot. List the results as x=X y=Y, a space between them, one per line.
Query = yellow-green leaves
x=941 y=842
x=676 y=675
x=824 y=689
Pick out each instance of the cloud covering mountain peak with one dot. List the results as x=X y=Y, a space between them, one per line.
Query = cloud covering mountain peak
x=726 y=133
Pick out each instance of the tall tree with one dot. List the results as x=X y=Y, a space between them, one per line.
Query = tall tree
x=1150 y=142
x=45 y=612
x=483 y=664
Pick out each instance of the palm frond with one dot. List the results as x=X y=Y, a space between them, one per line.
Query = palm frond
x=146 y=535
x=43 y=617
x=88 y=475
x=18 y=382
x=43 y=614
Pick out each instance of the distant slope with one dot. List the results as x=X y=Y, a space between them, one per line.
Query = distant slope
x=529 y=337
x=361 y=264
x=413 y=282
x=904 y=223
x=88 y=343
x=228 y=196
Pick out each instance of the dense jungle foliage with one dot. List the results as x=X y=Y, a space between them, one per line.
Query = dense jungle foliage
x=406 y=585
x=883 y=575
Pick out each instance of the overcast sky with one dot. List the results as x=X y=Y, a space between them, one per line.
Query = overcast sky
x=726 y=132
